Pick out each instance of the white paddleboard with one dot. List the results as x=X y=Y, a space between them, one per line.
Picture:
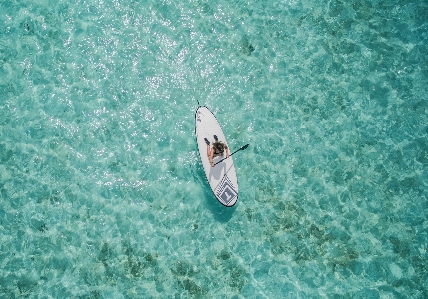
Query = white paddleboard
x=222 y=177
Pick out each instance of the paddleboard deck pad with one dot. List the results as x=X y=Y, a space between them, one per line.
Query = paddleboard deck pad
x=222 y=177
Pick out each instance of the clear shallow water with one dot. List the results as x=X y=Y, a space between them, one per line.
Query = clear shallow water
x=102 y=191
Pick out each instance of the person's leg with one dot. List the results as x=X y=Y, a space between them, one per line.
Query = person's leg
x=208 y=147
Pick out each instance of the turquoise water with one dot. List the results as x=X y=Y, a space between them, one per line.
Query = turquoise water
x=102 y=191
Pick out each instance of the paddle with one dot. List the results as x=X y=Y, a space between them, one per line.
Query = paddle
x=242 y=148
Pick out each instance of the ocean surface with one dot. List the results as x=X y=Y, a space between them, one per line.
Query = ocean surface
x=102 y=192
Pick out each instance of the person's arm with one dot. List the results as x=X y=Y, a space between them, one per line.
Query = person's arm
x=211 y=157
x=227 y=152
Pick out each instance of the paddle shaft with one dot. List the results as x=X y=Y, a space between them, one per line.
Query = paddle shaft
x=242 y=148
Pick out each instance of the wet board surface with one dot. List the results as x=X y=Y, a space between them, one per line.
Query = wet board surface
x=222 y=177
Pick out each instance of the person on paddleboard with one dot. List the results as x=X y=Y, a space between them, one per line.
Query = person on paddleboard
x=217 y=149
